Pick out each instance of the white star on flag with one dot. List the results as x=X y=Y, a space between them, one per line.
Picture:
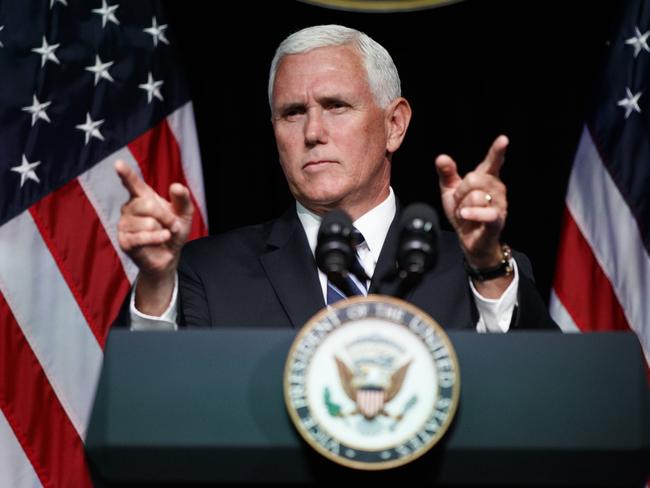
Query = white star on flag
x=56 y=233
x=100 y=69
x=37 y=109
x=26 y=171
x=630 y=103
x=107 y=13
x=157 y=32
x=91 y=128
x=47 y=52
x=152 y=88
x=640 y=41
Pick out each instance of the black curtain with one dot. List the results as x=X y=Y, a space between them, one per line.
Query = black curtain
x=471 y=70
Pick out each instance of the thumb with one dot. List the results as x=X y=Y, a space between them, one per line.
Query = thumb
x=181 y=202
x=447 y=173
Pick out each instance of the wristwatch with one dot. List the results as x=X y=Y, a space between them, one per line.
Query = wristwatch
x=504 y=268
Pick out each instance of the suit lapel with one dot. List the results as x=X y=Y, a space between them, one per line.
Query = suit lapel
x=386 y=266
x=291 y=269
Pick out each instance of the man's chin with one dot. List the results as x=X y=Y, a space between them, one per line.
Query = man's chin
x=322 y=203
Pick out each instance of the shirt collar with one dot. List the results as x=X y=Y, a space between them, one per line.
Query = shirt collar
x=373 y=224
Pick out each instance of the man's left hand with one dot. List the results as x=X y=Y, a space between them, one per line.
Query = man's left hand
x=476 y=205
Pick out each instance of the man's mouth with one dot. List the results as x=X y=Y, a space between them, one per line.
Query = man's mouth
x=317 y=163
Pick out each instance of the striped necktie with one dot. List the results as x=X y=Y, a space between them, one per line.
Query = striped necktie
x=357 y=278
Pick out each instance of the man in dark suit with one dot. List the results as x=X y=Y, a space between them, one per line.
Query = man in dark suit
x=338 y=117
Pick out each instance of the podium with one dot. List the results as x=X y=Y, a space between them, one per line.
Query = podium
x=536 y=408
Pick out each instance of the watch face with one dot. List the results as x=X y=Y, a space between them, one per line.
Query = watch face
x=372 y=382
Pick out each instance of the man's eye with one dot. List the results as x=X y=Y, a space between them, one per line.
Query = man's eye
x=292 y=112
x=337 y=105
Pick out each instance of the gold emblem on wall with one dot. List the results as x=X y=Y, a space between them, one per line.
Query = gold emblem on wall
x=380 y=5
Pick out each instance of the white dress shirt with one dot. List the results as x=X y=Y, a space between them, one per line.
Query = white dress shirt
x=494 y=314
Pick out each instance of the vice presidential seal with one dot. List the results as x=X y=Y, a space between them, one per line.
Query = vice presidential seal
x=372 y=382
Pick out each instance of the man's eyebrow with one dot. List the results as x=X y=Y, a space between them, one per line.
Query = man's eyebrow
x=291 y=106
x=332 y=99
x=302 y=106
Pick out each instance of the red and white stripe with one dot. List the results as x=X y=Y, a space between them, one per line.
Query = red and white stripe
x=14 y=463
x=603 y=268
x=370 y=402
x=62 y=281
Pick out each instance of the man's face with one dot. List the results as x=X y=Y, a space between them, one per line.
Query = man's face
x=330 y=132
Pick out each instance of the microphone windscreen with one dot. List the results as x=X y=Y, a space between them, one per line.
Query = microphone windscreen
x=418 y=245
x=420 y=217
x=334 y=252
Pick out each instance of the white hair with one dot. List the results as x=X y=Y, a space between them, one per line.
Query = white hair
x=383 y=78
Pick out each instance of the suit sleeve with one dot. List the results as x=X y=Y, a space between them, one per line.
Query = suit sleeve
x=193 y=309
x=531 y=311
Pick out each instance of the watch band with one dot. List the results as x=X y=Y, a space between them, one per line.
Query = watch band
x=504 y=268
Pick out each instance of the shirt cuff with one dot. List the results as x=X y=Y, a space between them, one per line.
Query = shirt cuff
x=166 y=321
x=495 y=314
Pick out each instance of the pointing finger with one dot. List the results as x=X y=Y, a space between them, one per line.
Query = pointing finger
x=495 y=157
x=131 y=181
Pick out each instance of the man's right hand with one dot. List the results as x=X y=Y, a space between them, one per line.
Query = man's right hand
x=152 y=231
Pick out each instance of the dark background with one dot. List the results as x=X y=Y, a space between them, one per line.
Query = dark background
x=471 y=70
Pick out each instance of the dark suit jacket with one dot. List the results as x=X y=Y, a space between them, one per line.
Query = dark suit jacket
x=265 y=275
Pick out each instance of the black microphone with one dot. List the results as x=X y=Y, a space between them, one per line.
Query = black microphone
x=417 y=251
x=334 y=250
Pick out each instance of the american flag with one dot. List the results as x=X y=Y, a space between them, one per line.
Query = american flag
x=82 y=83
x=602 y=279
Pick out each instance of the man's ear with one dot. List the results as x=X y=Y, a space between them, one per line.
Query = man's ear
x=398 y=116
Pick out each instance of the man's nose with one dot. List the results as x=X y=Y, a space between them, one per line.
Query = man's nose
x=315 y=129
